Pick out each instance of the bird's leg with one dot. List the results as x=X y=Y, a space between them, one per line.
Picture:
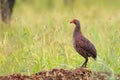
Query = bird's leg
x=85 y=63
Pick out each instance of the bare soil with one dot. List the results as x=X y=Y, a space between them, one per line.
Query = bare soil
x=62 y=74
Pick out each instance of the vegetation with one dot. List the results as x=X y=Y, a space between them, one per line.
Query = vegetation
x=40 y=36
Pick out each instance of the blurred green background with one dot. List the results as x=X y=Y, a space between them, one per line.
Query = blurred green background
x=40 y=35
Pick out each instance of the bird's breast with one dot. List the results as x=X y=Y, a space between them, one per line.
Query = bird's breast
x=76 y=42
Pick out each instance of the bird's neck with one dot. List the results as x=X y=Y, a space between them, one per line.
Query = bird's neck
x=77 y=29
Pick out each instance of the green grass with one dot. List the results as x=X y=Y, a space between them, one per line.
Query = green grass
x=40 y=38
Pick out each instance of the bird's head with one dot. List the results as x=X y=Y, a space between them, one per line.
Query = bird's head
x=75 y=21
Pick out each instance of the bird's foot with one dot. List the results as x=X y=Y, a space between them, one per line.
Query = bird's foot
x=83 y=66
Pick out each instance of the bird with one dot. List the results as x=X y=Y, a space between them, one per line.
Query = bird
x=82 y=45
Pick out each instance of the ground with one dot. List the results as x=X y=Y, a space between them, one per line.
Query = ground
x=62 y=74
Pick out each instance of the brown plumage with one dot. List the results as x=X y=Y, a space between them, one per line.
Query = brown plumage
x=81 y=44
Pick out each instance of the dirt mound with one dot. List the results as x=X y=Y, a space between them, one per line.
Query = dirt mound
x=61 y=74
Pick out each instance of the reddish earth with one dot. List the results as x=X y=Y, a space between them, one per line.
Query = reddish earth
x=61 y=74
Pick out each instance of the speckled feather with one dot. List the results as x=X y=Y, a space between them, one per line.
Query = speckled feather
x=82 y=45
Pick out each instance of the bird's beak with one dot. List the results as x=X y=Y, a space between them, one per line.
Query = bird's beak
x=71 y=21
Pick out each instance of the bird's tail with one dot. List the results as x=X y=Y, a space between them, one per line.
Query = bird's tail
x=94 y=57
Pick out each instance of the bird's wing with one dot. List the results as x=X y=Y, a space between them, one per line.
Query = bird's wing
x=86 y=45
